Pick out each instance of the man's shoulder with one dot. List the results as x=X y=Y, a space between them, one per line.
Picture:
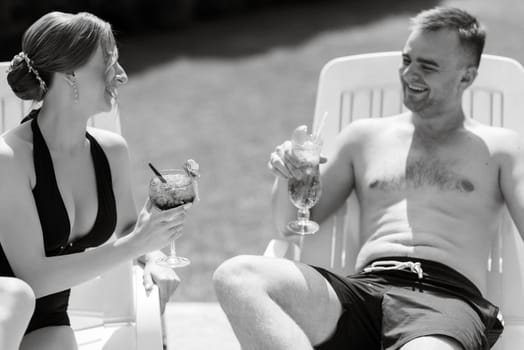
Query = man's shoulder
x=494 y=134
x=499 y=140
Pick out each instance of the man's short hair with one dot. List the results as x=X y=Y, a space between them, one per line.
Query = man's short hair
x=471 y=33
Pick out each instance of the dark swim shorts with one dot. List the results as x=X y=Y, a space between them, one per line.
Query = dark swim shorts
x=386 y=309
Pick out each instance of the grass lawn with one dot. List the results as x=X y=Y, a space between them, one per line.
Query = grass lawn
x=226 y=92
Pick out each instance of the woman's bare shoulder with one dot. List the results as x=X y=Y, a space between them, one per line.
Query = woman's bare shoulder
x=16 y=149
x=108 y=139
x=113 y=144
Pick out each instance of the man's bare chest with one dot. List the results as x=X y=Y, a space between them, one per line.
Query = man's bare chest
x=462 y=168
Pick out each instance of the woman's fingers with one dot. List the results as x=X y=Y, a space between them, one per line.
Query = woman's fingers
x=176 y=231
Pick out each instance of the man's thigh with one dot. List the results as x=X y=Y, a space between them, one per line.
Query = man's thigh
x=301 y=291
x=311 y=301
x=432 y=343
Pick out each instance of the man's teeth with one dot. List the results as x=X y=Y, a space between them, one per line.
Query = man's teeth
x=415 y=88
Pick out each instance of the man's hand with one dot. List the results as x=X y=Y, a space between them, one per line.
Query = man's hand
x=164 y=277
x=283 y=163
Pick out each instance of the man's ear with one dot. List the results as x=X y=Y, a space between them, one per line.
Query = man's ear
x=468 y=76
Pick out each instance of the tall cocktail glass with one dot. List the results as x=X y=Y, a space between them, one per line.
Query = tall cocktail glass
x=304 y=192
x=179 y=189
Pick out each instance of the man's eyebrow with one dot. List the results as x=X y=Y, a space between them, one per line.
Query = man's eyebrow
x=422 y=60
x=428 y=61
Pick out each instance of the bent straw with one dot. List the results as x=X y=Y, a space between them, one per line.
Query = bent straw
x=157 y=173
x=317 y=133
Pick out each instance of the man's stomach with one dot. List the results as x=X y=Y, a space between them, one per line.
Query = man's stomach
x=467 y=254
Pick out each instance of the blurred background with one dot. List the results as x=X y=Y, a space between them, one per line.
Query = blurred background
x=225 y=81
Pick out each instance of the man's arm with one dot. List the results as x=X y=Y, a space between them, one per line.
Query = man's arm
x=337 y=180
x=512 y=177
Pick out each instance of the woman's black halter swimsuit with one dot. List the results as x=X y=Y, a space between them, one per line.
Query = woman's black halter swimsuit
x=51 y=310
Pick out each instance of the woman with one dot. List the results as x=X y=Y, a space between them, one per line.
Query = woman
x=66 y=187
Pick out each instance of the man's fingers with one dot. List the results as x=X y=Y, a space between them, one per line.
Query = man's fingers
x=277 y=165
x=292 y=166
x=282 y=172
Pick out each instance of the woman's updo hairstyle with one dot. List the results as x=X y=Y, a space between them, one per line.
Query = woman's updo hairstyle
x=57 y=42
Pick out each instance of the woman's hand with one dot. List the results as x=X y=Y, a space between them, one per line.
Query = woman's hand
x=155 y=229
x=164 y=277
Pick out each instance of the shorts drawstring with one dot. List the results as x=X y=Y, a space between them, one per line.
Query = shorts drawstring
x=385 y=265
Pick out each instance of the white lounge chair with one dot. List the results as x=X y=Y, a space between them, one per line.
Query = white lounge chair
x=368 y=86
x=112 y=311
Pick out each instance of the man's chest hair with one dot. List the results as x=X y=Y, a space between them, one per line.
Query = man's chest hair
x=459 y=162
x=424 y=172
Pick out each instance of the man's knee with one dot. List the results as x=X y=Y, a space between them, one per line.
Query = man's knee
x=236 y=274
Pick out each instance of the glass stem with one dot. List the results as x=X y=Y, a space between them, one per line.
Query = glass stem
x=172 y=251
x=303 y=215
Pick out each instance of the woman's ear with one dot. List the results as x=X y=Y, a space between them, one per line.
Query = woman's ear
x=71 y=81
x=70 y=78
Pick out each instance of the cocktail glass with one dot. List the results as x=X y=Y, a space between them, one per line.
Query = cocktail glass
x=178 y=189
x=304 y=192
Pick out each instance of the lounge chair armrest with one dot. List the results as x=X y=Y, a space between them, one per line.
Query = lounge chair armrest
x=282 y=248
x=148 y=318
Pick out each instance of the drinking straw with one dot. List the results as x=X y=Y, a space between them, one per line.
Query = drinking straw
x=317 y=133
x=157 y=173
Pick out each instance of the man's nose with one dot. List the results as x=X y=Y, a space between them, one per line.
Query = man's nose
x=409 y=70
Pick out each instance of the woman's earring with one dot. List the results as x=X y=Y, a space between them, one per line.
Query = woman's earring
x=75 y=90
x=71 y=80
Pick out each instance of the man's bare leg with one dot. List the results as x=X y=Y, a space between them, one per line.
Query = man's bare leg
x=276 y=303
x=432 y=343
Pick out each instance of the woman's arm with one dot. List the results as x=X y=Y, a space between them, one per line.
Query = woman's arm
x=117 y=152
x=22 y=241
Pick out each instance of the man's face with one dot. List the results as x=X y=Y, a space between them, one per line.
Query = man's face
x=433 y=66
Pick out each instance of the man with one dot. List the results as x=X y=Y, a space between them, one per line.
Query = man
x=431 y=184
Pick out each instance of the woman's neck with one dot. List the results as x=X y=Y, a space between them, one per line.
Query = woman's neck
x=63 y=128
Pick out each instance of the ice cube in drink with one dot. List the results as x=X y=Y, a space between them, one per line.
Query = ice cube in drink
x=177 y=191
